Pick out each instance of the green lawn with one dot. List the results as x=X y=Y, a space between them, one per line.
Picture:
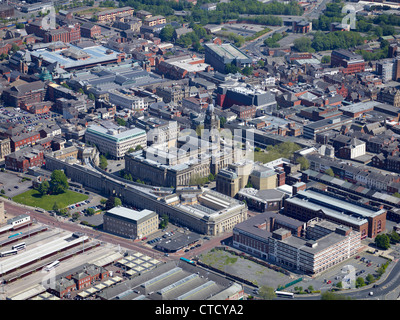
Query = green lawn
x=34 y=199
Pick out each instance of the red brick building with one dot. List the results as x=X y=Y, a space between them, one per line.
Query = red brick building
x=301 y=26
x=90 y=30
x=351 y=62
x=23 y=140
x=37 y=107
x=21 y=160
x=66 y=34
x=244 y=112
x=78 y=279
x=26 y=93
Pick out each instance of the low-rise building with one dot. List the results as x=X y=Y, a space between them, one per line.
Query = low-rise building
x=130 y=223
x=113 y=14
x=21 y=160
x=153 y=21
x=25 y=93
x=90 y=30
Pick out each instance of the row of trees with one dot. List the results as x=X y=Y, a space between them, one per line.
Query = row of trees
x=224 y=12
x=383 y=241
x=328 y=41
x=255 y=7
x=272 y=42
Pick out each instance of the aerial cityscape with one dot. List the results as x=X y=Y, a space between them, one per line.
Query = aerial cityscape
x=200 y=150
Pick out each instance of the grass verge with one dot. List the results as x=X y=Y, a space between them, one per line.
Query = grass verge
x=34 y=199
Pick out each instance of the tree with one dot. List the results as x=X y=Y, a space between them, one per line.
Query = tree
x=75 y=216
x=394 y=237
x=231 y=68
x=247 y=71
x=167 y=33
x=329 y=172
x=267 y=293
x=304 y=163
x=222 y=121
x=164 y=221
x=44 y=187
x=58 y=182
x=55 y=207
x=103 y=162
x=370 y=278
x=360 y=282
x=117 y=202
x=90 y=211
x=303 y=44
x=382 y=241
x=113 y=202
x=326 y=59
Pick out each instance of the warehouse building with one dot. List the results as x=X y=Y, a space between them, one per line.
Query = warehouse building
x=218 y=55
x=175 y=280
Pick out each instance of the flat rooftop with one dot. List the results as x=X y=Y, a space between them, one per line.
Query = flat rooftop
x=334 y=206
x=92 y=55
x=228 y=51
x=174 y=280
x=115 y=133
x=130 y=214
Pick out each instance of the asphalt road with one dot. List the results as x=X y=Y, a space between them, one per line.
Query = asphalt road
x=254 y=47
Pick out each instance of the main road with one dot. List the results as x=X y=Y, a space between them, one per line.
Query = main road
x=386 y=289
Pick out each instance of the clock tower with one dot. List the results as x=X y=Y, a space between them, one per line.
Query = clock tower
x=211 y=122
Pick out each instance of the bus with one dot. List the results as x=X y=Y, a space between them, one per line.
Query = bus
x=14 y=235
x=52 y=265
x=8 y=253
x=284 y=294
x=19 y=246
x=188 y=260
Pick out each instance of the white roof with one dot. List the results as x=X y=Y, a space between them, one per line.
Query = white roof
x=129 y=213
